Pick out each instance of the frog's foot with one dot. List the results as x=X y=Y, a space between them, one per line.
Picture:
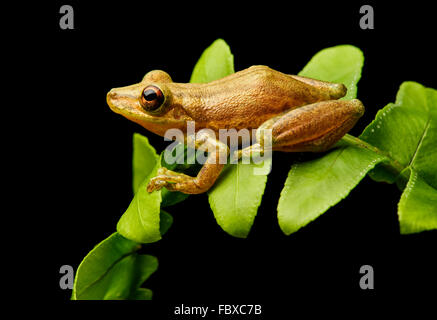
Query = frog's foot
x=186 y=185
x=204 y=180
x=175 y=181
x=156 y=184
x=166 y=178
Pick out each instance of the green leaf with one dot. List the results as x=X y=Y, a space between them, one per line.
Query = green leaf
x=141 y=221
x=165 y=222
x=236 y=196
x=425 y=158
x=340 y=64
x=313 y=187
x=407 y=131
x=144 y=159
x=417 y=208
x=142 y=294
x=113 y=270
x=215 y=63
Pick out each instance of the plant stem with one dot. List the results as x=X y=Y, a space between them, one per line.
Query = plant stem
x=392 y=164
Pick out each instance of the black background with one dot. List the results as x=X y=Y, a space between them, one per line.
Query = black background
x=86 y=157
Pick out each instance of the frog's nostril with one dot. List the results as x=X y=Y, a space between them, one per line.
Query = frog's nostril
x=111 y=98
x=111 y=94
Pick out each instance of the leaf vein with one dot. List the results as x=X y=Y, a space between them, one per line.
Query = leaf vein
x=411 y=163
x=106 y=272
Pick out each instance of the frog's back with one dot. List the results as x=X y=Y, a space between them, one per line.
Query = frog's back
x=249 y=97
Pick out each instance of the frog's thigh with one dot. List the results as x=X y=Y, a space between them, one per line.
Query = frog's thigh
x=206 y=177
x=313 y=128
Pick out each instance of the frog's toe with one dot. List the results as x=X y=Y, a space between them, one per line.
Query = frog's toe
x=156 y=183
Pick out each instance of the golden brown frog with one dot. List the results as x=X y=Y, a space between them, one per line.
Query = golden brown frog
x=303 y=114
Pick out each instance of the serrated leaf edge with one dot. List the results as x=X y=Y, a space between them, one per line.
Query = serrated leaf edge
x=343 y=195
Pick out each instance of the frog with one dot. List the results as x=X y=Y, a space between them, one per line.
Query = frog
x=302 y=115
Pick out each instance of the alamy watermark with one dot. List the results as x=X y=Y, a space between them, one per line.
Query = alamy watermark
x=67 y=279
x=367 y=280
x=231 y=146
x=367 y=20
x=67 y=19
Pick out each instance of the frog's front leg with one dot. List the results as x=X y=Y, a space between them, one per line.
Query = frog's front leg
x=312 y=128
x=175 y=181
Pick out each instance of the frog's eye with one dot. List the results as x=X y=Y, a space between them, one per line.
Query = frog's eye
x=151 y=98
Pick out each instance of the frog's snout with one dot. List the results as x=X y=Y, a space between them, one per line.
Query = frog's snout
x=111 y=99
x=119 y=102
x=110 y=96
x=123 y=99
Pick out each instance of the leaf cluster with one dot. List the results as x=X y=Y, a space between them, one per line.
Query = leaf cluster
x=399 y=146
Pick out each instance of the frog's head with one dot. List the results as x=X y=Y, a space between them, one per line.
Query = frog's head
x=148 y=103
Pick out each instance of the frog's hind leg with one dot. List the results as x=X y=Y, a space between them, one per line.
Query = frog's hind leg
x=311 y=128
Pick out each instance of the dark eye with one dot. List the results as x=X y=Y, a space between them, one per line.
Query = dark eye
x=151 y=98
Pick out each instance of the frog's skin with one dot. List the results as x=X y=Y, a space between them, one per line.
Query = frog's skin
x=303 y=114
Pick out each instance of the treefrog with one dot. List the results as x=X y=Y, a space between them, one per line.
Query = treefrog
x=303 y=114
